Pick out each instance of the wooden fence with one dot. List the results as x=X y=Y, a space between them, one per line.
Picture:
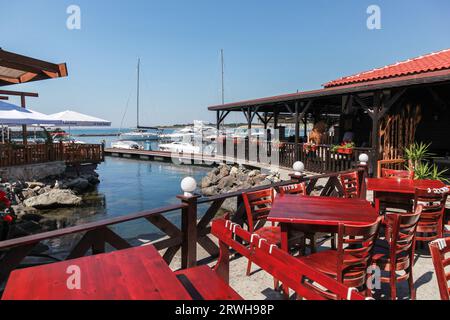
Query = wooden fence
x=18 y=154
x=320 y=160
x=194 y=229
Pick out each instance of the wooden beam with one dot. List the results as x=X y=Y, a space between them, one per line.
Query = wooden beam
x=18 y=93
x=24 y=62
x=4 y=98
x=388 y=105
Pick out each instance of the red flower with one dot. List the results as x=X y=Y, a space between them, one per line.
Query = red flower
x=8 y=218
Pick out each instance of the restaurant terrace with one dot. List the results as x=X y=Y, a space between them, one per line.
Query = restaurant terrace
x=339 y=235
x=384 y=109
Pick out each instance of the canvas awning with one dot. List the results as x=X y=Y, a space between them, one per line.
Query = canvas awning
x=11 y=115
x=76 y=119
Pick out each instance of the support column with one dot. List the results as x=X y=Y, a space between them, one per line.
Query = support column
x=297 y=132
x=24 y=127
x=375 y=128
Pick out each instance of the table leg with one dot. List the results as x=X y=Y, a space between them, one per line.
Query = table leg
x=285 y=237
x=285 y=247
x=377 y=202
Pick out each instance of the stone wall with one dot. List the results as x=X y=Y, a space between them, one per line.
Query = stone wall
x=32 y=172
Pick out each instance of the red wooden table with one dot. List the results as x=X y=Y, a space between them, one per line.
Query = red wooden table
x=384 y=188
x=133 y=274
x=318 y=214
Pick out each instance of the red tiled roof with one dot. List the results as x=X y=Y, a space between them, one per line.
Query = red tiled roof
x=427 y=63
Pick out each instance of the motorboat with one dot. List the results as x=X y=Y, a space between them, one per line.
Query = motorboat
x=141 y=135
x=128 y=145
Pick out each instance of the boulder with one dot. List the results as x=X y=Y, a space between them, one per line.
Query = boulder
x=79 y=184
x=209 y=191
x=234 y=171
x=54 y=199
x=253 y=173
x=226 y=182
x=33 y=185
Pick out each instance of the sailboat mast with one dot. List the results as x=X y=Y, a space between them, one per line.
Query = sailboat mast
x=138 y=88
x=223 y=86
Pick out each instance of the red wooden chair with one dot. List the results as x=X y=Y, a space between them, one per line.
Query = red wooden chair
x=396 y=252
x=439 y=248
x=447 y=217
x=350 y=184
x=280 y=264
x=348 y=264
x=299 y=189
x=431 y=223
x=257 y=206
x=397 y=174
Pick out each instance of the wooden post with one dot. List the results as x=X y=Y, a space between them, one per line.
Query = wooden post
x=249 y=134
x=189 y=230
x=363 y=173
x=375 y=128
x=297 y=132
x=24 y=127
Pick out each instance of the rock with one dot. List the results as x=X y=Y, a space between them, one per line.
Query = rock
x=32 y=217
x=79 y=185
x=253 y=173
x=230 y=205
x=234 y=171
x=224 y=171
x=226 y=182
x=54 y=198
x=28 y=193
x=206 y=182
x=32 y=185
x=209 y=191
x=256 y=180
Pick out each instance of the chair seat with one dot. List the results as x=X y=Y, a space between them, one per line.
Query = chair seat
x=272 y=234
x=326 y=262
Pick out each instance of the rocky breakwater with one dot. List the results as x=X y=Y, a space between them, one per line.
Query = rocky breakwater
x=226 y=179
x=32 y=200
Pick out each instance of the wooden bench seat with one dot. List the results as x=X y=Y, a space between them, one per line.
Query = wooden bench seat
x=203 y=283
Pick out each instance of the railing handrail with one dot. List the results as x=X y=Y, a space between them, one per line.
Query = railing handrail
x=86 y=227
x=273 y=185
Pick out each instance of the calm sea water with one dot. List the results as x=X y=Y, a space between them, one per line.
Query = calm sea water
x=128 y=186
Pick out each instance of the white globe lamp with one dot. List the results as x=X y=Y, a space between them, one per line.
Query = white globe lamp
x=363 y=159
x=188 y=185
x=298 y=167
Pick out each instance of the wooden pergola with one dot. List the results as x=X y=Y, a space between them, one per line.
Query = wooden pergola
x=374 y=97
x=17 y=69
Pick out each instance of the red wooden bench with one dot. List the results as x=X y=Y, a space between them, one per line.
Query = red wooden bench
x=203 y=283
x=284 y=267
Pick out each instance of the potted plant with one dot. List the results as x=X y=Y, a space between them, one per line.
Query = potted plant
x=344 y=148
x=417 y=155
x=7 y=216
x=308 y=147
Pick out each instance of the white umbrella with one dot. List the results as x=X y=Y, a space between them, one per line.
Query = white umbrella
x=76 y=119
x=11 y=114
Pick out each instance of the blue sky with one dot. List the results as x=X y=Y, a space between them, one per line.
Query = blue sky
x=271 y=47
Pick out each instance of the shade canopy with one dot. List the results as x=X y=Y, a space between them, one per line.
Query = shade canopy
x=76 y=119
x=11 y=114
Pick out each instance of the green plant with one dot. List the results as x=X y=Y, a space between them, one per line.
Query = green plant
x=416 y=153
x=424 y=171
x=350 y=145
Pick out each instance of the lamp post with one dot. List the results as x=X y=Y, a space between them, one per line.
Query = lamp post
x=189 y=223
x=299 y=168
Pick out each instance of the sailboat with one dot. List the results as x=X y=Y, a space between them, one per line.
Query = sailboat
x=140 y=133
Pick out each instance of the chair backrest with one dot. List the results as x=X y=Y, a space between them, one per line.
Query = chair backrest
x=397 y=174
x=433 y=203
x=299 y=188
x=439 y=249
x=350 y=185
x=355 y=249
x=257 y=206
x=289 y=270
x=401 y=233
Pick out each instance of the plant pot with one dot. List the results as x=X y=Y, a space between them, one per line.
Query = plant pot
x=346 y=151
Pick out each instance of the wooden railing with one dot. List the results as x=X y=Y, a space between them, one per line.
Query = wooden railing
x=194 y=229
x=321 y=160
x=17 y=154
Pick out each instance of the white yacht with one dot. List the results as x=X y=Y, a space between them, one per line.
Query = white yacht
x=141 y=134
x=128 y=145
